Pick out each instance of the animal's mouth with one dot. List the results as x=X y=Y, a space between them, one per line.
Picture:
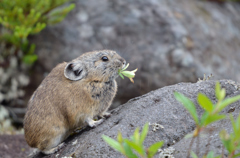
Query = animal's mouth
x=123 y=66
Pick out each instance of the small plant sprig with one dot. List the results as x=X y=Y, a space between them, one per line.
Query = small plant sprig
x=232 y=141
x=128 y=146
x=211 y=115
x=21 y=18
x=129 y=74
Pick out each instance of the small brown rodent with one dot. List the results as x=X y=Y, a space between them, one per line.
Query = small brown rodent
x=71 y=96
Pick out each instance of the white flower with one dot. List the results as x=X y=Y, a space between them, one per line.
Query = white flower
x=129 y=74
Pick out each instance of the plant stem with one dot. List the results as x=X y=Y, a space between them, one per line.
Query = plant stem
x=197 y=145
x=190 y=147
x=231 y=155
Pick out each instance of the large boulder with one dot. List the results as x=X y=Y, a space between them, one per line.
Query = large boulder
x=157 y=107
x=168 y=41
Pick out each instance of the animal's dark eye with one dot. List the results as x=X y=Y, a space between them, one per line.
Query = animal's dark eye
x=104 y=58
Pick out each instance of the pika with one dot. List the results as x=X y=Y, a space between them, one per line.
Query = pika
x=71 y=96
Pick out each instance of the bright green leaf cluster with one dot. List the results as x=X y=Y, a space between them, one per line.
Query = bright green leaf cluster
x=212 y=114
x=128 y=146
x=212 y=111
x=21 y=18
x=24 y=17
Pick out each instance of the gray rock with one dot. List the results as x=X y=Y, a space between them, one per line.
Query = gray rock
x=149 y=34
x=170 y=122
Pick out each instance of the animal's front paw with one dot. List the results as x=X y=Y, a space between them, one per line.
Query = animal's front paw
x=106 y=114
x=93 y=123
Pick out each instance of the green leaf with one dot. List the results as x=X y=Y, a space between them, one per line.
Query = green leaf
x=213 y=118
x=236 y=155
x=204 y=118
x=30 y=59
x=152 y=150
x=31 y=49
x=138 y=148
x=205 y=102
x=193 y=155
x=225 y=138
x=188 y=104
x=125 y=67
x=113 y=143
x=144 y=133
x=227 y=102
x=217 y=90
x=233 y=124
x=128 y=74
x=222 y=93
x=121 y=75
x=136 y=135
x=119 y=137
x=238 y=122
x=238 y=145
x=128 y=151
x=55 y=20
x=236 y=127
x=210 y=154
x=71 y=6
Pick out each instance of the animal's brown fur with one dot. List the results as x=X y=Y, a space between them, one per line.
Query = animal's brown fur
x=64 y=102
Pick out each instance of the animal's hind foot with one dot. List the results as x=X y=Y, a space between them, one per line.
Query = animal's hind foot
x=53 y=150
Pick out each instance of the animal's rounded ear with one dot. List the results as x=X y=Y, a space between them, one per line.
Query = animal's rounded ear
x=75 y=71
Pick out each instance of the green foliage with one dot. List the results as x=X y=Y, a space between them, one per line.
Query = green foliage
x=212 y=111
x=18 y=20
x=133 y=147
x=212 y=114
x=232 y=141
x=188 y=104
x=21 y=18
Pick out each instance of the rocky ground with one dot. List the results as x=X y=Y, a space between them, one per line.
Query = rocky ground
x=13 y=146
x=159 y=108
